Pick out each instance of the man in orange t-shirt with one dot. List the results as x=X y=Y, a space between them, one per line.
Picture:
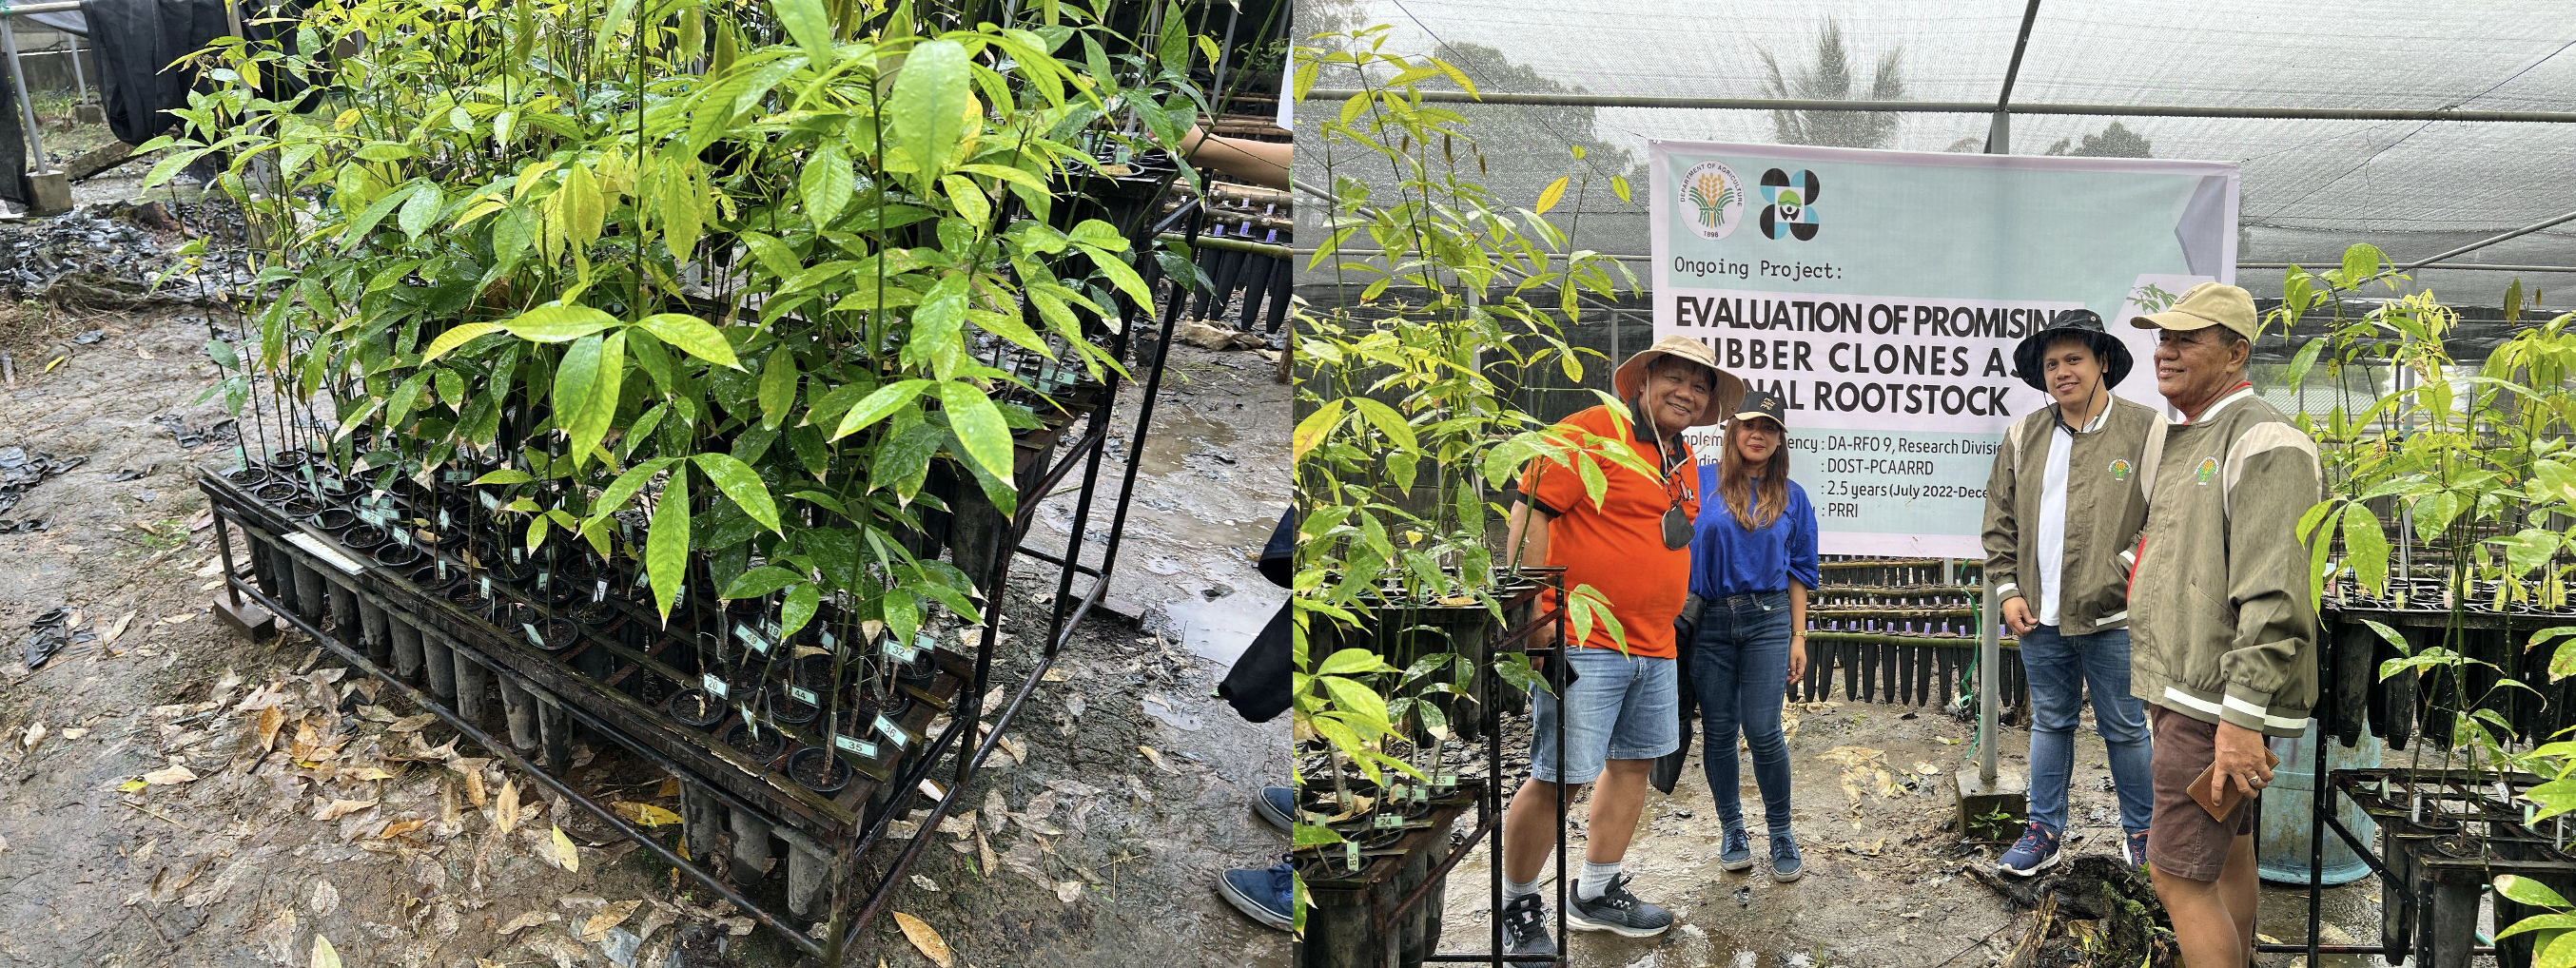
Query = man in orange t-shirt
x=1621 y=710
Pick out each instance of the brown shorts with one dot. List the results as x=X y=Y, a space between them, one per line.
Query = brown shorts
x=2182 y=839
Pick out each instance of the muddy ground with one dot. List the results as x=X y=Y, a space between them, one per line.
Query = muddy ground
x=1873 y=802
x=173 y=793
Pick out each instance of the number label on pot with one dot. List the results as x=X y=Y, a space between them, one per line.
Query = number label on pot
x=486 y=582
x=831 y=643
x=542 y=578
x=751 y=638
x=442 y=519
x=898 y=651
x=533 y=638
x=643 y=578
x=490 y=502
x=804 y=695
x=893 y=731
x=855 y=746
x=715 y=685
x=1389 y=821
x=459 y=477
x=402 y=536
x=1351 y=854
x=600 y=594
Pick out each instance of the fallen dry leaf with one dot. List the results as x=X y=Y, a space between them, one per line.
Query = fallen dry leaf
x=474 y=789
x=399 y=828
x=264 y=733
x=644 y=814
x=412 y=724
x=367 y=773
x=1156 y=758
x=35 y=733
x=172 y=775
x=924 y=938
x=924 y=882
x=1066 y=891
x=505 y=809
x=326 y=898
x=564 y=852
x=75 y=732
x=610 y=915
x=324 y=956
x=116 y=630
x=337 y=809
x=376 y=714
x=528 y=920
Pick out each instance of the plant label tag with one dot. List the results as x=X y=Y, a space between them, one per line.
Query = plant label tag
x=459 y=477
x=897 y=651
x=893 y=732
x=442 y=569
x=751 y=638
x=643 y=578
x=1389 y=821
x=600 y=594
x=490 y=502
x=829 y=642
x=533 y=638
x=1351 y=854
x=486 y=582
x=715 y=685
x=325 y=552
x=542 y=578
x=803 y=695
x=750 y=723
x=855 y=747
x=442 y=519
x=402 y=536
x=518 y=556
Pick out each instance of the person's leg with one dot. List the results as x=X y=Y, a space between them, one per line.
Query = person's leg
x=2122 y=720
x=1648 y=727
x=1616 y=804
x=2204 y=929
x=1713 y=672
x=2238 y=885
x=2190 y=853
x=1761 y=689
x=2056 y=680
x=1589 y=708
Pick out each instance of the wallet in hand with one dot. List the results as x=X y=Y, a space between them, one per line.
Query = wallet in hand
x=2221 y=803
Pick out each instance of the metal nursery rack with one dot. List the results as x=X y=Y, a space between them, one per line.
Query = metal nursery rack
x=403 y=613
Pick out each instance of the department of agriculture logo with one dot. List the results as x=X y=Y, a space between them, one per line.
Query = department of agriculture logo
x=1712 y=199
x=2120 y=470
x=2208 y=468
x=1792 y=208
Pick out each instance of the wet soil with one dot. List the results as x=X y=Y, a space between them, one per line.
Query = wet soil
x=146 y=820
x=1886 y=884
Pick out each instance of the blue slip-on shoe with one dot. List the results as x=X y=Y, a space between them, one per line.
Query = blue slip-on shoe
x=2034 y=852
x=1737 y=853
x=1525 y=927
x=1786 y=865
x=1262 y=893
x=1279 y=806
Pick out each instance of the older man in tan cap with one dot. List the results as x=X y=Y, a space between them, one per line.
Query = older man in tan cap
x=1621 y=711
x=2223 y=633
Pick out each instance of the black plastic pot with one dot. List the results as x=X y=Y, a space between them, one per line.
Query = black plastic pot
x=696 y=708
x=250 y=477
x=816 y=769
x=921 y=671
x=364 y=540
x=764 y=748
x=978 y=531
x=789 y=709
x=397 y=555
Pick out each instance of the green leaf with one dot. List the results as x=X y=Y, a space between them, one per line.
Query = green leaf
x=2524 y=890
x=693 y=336
x=970 y=201
x=1314 y=835
x=1388 y=422
x=1312 y=430
x=1353 y=662
x=2299 y=364
x=2365 y=547
x=586 y=390
x=2359 y=262
x=682 y=218
x=879 y=405
x=2538 y=922
x=1350 y=697
x=931 y=98
x=826 y=183
x=505 y=475
x=558 y=324
x=1555 y=190
x=760 y=581
x=404 y=398
x=979 y=425
x=806 y=21
x=802 y=600
x=613 y=499
x=777 y=386
x=666 y=545
x=451 y=388
x=420 y=210
x=741 y=484
x=1619 y=187
x=455 y=337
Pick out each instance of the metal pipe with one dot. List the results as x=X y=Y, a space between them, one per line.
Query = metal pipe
x=1999 y=132
x=80 y=81
x=1989 y=654
x=18 y=81
x=1304 y=251
x=1965 y=107
x=16 y=9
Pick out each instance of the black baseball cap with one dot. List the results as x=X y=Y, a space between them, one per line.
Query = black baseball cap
x=1764 y=404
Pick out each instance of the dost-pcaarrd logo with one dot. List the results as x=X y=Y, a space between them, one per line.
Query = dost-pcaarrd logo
x=1792 y=209
x=1712 y=200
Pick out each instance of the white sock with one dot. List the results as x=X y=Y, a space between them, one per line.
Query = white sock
x=1596 y=879
x=1513 y=889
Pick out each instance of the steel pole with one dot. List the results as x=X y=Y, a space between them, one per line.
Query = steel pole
x=18 y=81
x=1963 y=107
x=1990 y=653
x=80 y=81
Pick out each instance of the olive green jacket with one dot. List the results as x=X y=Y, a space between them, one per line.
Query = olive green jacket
x=2106 y=505
x=2224 y=630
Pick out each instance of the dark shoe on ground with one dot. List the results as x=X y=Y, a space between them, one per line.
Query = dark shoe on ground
x=1786 y=865
x=1525 y=927
x=1261 y=893
x=1737 y=853
x=1279 y=806
x=1618 y=912
x=2133 y=849
x=2034 y=852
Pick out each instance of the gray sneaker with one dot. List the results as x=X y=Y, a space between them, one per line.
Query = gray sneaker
x=1618 y=912
x=1525 y=927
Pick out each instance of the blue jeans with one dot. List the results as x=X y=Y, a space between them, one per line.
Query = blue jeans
x=1624 y=707
x=2059 y=667
x=1740 y=671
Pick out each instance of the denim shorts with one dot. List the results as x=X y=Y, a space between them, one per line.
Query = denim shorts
x=1622 y=708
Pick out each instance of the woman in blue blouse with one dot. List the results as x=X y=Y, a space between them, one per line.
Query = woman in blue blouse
x=1753 y=558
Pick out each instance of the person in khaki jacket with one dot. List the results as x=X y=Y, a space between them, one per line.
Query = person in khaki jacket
x=2223 y=629
x=2063 y=507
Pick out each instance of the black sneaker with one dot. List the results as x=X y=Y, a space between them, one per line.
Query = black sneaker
x=1525 y=927
x=1618 y=912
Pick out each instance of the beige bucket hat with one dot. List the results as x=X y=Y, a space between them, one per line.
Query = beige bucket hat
x=2203 y=306
x=1631 y=376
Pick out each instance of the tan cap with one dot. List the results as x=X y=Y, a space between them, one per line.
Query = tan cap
x=2203 y=306
x=1631 y=376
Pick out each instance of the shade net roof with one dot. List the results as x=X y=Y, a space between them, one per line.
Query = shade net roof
x=2310 y=187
